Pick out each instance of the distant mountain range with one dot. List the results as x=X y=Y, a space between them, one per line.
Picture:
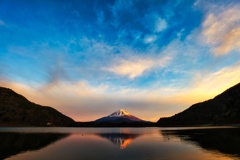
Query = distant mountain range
x=119 y=116
x=224 y=109
x=16 y=110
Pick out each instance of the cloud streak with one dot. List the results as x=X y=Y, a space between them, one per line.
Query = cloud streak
x=150 y=39
x=136 y=67
x=222 y=29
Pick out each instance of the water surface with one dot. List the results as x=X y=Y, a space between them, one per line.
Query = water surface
x=220 y=143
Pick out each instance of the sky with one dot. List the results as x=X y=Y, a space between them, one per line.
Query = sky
x=89 y=58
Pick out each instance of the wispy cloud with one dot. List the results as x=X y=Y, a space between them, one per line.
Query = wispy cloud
x=160 y=25
x=213 y=83
x=222 y=29
x=136 y=67
x=131 y=69
x=206 y=85
x=56 y=73
x=150 y=39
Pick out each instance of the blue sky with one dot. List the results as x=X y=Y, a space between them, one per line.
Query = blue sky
x=89 y=58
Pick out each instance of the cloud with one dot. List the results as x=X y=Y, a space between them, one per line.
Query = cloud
x=231 y=41
x=206 y=85
x=221 y=29
x=136 y=67
x=57 y=72
x=150 y=39
x=131 y=69
x=211 y=84
x=160 y=25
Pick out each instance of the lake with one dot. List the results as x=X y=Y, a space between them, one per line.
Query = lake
x=194 y=143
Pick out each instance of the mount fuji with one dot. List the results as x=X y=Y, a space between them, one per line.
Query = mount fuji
x=119 y=116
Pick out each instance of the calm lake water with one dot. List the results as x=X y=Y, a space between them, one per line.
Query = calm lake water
x=221 y=143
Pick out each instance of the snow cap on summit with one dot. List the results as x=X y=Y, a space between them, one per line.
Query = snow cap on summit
x=120 y=113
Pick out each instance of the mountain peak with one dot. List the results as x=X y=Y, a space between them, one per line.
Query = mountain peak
x=120 y=116
x=119 y=113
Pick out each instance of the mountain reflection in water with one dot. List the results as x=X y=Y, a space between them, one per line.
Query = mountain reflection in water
x=222 y=140
x=120 y=139
x=15 y=143
x=119 y=143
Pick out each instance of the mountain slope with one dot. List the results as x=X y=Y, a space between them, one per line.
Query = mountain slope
x=221 y=110
x=119 y=116
x=17 y=110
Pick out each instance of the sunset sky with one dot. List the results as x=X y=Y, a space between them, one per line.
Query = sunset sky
x=89 y=58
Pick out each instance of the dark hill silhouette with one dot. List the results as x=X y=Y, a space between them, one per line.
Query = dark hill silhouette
x=16 y=110
x=224 y=109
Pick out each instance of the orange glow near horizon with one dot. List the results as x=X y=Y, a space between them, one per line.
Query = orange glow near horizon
x=125 y=143
x=76 y=106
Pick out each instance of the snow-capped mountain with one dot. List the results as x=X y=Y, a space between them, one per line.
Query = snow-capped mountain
x=120 y=116
x=119 y=113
